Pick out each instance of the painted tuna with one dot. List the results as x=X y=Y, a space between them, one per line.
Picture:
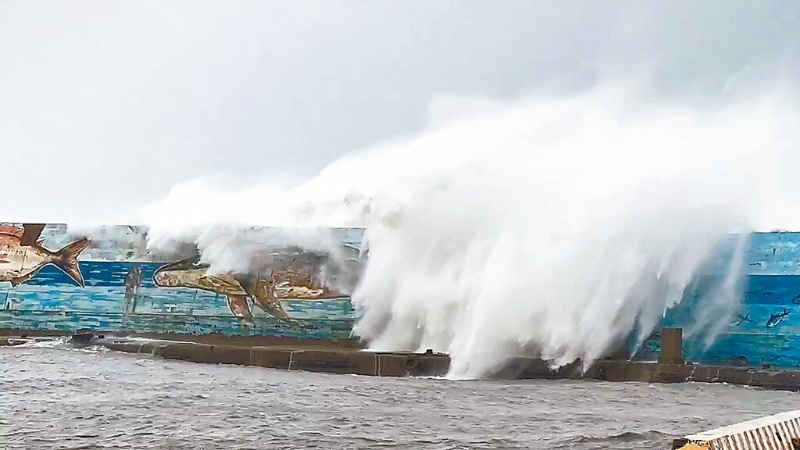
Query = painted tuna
x=23 y=256
x=777 y=318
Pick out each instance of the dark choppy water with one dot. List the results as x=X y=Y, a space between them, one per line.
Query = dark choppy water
x=67 y=398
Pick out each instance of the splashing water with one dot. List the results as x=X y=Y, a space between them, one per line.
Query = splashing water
x=550 y=227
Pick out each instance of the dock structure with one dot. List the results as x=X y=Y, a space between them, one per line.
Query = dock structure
x=777 y=432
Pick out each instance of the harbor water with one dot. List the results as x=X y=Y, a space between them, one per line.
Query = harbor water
x=55 y=396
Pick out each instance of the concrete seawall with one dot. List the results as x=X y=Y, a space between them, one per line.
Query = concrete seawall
x=330 y=357
x=208 y=338
x=333 y=358
x=653 y=372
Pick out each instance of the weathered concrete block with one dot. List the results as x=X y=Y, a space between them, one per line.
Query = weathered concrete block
x=622 y=371
x=431 y=365
x=265 y=357
x=671 y=346
x=149 y=347
x=701 y=374
x=128 y=347
x=776 y=380
x=734 y=375
x=225 y=354
x=533 y=368
x=673 y=373
x=333 y=362
x=366 y=362
x=185 y=352
x=393 y=365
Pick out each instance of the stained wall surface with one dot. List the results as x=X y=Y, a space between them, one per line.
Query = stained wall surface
x=110 y=281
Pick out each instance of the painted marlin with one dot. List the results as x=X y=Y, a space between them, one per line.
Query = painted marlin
x=280 y=276
x=776 y=318
x=742 y=319
x=22 y=255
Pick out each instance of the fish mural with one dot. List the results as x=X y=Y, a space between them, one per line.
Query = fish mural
x=115 y=283
x=290 y=273
x=776 y=318
x=742 y=319
x=22 y=255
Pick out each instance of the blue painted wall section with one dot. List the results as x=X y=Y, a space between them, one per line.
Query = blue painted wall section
x=119 y=289
x=766 y=328
x=121 y=286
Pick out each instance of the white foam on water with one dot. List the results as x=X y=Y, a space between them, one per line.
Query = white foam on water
x=550 y=226
x=60 y=343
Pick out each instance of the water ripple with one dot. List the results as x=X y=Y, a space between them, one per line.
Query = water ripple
x=68 y=399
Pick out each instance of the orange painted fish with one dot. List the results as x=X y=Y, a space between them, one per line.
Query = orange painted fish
x=20 y=261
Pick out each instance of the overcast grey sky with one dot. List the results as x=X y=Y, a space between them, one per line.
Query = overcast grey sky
x=107 y=104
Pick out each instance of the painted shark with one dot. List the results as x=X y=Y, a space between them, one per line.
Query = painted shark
x=22 y=255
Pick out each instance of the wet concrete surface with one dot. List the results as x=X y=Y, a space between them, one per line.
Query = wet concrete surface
x=334 y=358
x=55 y=395
x=210 y=339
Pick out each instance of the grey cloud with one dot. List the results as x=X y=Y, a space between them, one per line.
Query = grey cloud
x=106 y=104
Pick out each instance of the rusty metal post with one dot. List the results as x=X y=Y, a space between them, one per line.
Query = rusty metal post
x=671 y=346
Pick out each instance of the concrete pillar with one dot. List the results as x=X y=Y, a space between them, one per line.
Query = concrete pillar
x=671 y=346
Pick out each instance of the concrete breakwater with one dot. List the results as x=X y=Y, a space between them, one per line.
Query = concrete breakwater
x=344 y=360
x=313 y=357
x=654 y=372
x=331 y=360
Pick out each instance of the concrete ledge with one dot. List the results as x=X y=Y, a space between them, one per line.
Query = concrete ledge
x=344 y=360
x=209 y=338
x=337 y=360
x=353 y=361
x=679 y=373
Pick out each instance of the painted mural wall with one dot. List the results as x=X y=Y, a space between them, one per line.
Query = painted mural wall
x=53 y=279
x=766 y=327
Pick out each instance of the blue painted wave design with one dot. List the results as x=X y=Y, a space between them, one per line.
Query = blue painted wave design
x=171 y=323
x=52 y=301
x=778 y=350
x=754 y=336
x=763 y=296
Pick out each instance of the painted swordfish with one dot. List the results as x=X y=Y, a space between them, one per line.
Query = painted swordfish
x=22 y=255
